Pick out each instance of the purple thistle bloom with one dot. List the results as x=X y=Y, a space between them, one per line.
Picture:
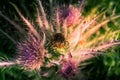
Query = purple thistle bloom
x=69 y=32
x=68 y=67
x=70 y=15
x=31 y=52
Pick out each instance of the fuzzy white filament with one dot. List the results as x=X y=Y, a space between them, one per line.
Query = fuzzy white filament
x=7 y=63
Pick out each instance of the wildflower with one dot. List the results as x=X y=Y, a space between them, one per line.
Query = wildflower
x=70 y=62
x=72 y=35
x=31 y=52
x=68 y=67
x=69 y=14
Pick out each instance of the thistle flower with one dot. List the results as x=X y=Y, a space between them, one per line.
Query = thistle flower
x=65 y=17
x=70 y=62
x=72 y=29
x=70 y=15
x=31 y=52
x=68 y=67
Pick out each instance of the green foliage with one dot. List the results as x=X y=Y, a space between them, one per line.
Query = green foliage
x=105 y=66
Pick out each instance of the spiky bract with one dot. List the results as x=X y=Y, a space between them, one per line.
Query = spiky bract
x=30 y=52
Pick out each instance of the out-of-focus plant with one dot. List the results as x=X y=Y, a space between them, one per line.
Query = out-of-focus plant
x=61 y=39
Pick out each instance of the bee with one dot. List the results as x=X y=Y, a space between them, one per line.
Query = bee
x=59 y=41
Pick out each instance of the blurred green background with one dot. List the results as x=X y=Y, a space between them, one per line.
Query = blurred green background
x=103 y=67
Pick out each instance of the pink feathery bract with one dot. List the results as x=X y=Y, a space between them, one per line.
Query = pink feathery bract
x=69 y=14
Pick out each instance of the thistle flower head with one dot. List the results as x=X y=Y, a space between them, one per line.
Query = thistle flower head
x=72 y=29
x=68 y=67
x=31 y=52
x=69 y=14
